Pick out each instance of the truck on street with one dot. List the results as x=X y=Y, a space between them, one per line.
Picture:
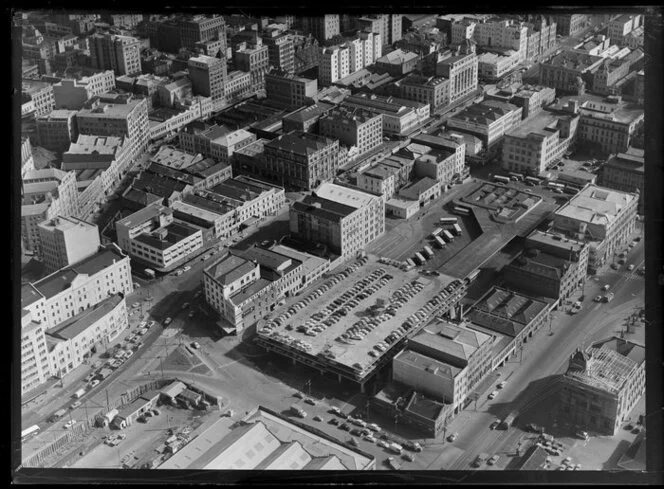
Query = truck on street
x=298 y=411
x=79 y=393
x=509 y=420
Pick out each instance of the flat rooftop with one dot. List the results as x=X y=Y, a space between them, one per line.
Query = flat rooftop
x=596 y=205
x=543 y=123
x=320 y=301
x=599 y=107
x=75 y=325
x=424 y=363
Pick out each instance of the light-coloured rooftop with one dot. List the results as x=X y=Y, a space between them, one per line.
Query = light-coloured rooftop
x=596 y=205
x=346 y=196
x=348 y=354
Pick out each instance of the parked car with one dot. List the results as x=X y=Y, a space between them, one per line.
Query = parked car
x=334 y=421
x=493 y=395
x=167 y=321
x=94 y=383
x=493 y=460
x=494 y=425
x=502 y=384
x=70 y=423
x=453 y=437
x=598 y=298
x=310 y=401
x=317 y=418
x=75 y=405
x=630 y=267
x=582 y=435
x=186 y=268
x=408 y=457
x=606 y=287
x=195 y=345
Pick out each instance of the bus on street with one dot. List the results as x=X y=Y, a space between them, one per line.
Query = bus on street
x=448 y=220
x=517 y=177
x=461 y=210
x=501 y=179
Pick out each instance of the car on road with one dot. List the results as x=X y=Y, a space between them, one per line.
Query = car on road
x=383 y=444
x=310 y=401
x=353 y=442
x=369 y=438
x=94 y=383
x=502 y=384
x=534 y=428
x=493 y=460
x=493 y=395
x=344 y=427
x=494 y=425
x=334 y=421
x=186 y=268
x=412 y=446
x=598 y=298
x=606 y=287
x=578 y=306
x=185 y=305
x=195 y=345
x=167 y=321
x=317 y=418
x=630 y=267
x=299 y=395
x=90 y=377
x=453 y=437
x=583 y=435
x=408 y=457
x=75 y=405
x=70 y=423
x=178 y=272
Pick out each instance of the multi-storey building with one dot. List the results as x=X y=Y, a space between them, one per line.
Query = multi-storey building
x=334 y=64
x=76 y=339
x=344 y=219
x=185 y=31
x=622 y=25
x=288 y=91
x=306 y=119
x=208 y=77
x=37 y=96
x=610 y=123
x=400 y=117
x=494 y=66
x=541 y=37
x=625 y=172
x=307 y=53
x=602 y=385
x=35 y=367
x=73 y=289
x=47 y=193
x=570 y=24
x=462 y=71
x=539 y=142
x=281 y=49
x=489 y=120
x=550 y=266
x=380 y=180
x=214 y=141
x=503 y=33
x=109 y=115
x=602 y=218
x=254 y=59
x=427 y=90
x=27 y=159
x=445 y=361
x=356 y=127
x=570 y=71
x=445 y=161
x=167 y=123
x=73 y=94
x=128 y=21
x=397 y=63
x=301 y=160
x=607 y=78
x=323 y=27
x=57 y=129
x=122 y=54
x=107 y=154
x=66 y=241
x=153 y=236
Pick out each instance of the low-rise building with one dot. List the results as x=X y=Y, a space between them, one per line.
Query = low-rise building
x=353 y=127
x=403 y=209
x=611 y=72
x=539 y=142
x=154 y=236
x=489 y=120
x=445 y=361
x=344 y=219
x=307 y=118
x=74 y=340
x=56 y=130
x=238 y=85
x=397 y=63
x=66 y=241
x=602 y=385
x=446 y=159
x=214 y=141
x=550 y=266
x=423 y=190
x=513 y=315
x=38 y=96
x=166 y=121
x=625 y=172
x=602 y=218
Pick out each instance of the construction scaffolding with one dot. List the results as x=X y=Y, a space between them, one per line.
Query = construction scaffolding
x=606 y=369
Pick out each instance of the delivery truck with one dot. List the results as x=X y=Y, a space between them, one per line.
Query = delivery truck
x=79 y=393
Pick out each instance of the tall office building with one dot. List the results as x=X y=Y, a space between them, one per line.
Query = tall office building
x=66 y=241
x=461 y=70
x=208 y=76
x=122 y=54
x=281 y=50
x=323 y=27
x=185 y=31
